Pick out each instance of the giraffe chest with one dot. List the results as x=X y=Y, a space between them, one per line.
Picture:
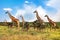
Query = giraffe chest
x=14 y=20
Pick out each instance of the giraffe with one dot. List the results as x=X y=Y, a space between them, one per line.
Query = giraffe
x=23 y=21
x=52 y=23
x=25 y=24
x=13 y=19
x=41 y=22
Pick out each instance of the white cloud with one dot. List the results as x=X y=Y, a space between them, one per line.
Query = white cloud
x=57 y=16
x=55 y=4
x=28 y=9
x=20 y=12
x=51 y=2
x=26 y=1
x=7 y=9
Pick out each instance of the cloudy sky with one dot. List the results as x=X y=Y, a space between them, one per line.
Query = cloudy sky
x=26 y=8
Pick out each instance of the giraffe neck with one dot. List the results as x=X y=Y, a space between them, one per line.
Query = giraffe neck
x=38 y=16
x=49 y=19
x=23 y=19
x=9 y=15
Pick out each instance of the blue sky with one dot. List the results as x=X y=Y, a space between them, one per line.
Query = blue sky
x=26 y=8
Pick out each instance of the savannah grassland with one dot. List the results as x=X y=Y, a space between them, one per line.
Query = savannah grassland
x=13 y=34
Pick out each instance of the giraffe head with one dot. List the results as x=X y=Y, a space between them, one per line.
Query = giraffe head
x=46 y=15
x=20 y=15
x=7 y=12
x=35 y=11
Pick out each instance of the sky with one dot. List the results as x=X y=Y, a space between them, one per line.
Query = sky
x=27 y=7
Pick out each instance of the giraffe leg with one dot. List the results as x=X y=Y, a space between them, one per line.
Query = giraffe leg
x=54 y=27
x=50 y=27
x=23 y=27
x=18 y=25
x=34 y=28
x=13 y=24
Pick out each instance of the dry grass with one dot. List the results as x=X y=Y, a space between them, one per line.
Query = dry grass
x=14 y=34
x=20 y=37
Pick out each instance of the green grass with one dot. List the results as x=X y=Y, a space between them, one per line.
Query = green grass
x=13 y=34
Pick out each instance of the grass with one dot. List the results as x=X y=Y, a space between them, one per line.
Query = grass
x=13 y=34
